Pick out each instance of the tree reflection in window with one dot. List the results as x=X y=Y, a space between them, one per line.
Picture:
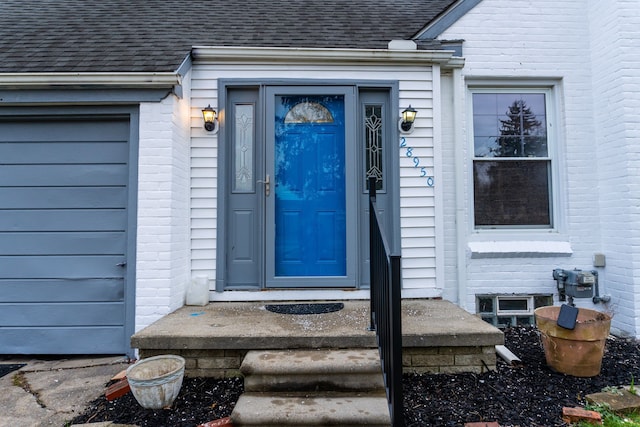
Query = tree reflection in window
x=522 y=134
x=512 y=164
x=509 y=125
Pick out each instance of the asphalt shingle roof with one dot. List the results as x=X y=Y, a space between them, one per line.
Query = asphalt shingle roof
x=156 y=35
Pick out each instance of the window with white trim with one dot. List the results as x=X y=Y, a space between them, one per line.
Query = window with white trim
x=512 y=158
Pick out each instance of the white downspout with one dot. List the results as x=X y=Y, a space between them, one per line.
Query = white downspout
x=461 y=229
x=437 y=165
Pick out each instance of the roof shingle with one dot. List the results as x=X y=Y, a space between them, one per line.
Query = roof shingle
x=156 y=36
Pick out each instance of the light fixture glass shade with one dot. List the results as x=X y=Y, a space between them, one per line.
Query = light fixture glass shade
x=405 y=124
x=409 y=115
x=209 y=114
x=210 y=122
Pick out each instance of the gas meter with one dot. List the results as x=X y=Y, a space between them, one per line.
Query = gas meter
x=575 y=283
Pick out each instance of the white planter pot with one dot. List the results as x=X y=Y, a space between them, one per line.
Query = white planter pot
x=156 y=381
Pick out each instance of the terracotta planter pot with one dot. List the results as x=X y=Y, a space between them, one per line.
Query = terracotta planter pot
x=577 y=352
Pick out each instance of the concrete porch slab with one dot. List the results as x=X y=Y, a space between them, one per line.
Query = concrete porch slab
x=438 y=336
x=233 y=325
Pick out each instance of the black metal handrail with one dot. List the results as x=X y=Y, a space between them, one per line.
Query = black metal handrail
x=386 y=308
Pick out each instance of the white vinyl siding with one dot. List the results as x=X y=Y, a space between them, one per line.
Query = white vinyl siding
x=417 y=206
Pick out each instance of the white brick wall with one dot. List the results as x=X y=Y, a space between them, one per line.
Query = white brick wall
x=615 y=57
x=162 y=266
x=587 y=54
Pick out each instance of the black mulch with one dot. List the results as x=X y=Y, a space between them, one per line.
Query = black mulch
x=200 y=400
x=8 y=368
x=527 y=396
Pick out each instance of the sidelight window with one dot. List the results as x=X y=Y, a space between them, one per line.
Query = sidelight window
x=373 y=144
x=243 y=144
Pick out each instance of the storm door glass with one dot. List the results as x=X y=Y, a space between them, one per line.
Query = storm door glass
x=310 y=202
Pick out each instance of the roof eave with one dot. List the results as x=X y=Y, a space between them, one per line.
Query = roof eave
x=81 y=79
x=324 y=56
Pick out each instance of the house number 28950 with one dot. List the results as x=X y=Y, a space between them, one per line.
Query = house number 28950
x=416 y=162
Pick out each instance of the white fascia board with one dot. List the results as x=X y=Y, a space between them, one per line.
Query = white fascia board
x=102 y=79
x=323 y=56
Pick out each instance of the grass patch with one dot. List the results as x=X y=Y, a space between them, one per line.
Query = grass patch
x=611 y=419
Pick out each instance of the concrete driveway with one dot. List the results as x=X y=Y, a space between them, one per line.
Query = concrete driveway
x=51 y=392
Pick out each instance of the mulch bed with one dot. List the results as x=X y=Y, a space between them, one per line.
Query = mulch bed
x=531 y=395
x=200 y=400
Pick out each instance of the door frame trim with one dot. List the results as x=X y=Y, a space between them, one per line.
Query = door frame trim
x=227 y=84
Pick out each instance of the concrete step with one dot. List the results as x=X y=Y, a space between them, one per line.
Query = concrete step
x=326 y=409
x=312 y=370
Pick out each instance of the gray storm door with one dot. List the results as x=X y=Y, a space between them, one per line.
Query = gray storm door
x=64 y=202
x=310 y=203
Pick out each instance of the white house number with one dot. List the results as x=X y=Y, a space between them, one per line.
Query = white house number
x=416 y=162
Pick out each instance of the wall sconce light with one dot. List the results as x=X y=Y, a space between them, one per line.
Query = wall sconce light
x=210 y=121
x=405 y=125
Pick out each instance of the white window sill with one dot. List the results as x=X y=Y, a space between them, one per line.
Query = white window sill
x=519 y=249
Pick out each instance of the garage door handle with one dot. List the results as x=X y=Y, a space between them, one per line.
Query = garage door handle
x=121 y=264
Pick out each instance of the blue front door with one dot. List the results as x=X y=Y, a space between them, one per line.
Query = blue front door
x=310 y=206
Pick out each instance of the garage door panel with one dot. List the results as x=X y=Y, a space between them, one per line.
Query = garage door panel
x=57 y=314
x=57 y=340
x=58 y=290
x=62 y=175
x=57 y=198
x=70 y=243
x=63 y=220
x=63 y=129
x=64 y=224
x=17 y=153
x=54 y=267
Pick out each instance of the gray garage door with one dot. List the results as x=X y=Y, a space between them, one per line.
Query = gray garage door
x=63 y=234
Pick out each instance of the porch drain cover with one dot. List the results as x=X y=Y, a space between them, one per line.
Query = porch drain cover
x=305 y=308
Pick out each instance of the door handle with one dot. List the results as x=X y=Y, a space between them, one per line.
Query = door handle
x=267 y=185
x=121 y=264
